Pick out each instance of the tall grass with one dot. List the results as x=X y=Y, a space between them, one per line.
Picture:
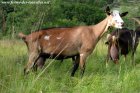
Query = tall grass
x=121 y=78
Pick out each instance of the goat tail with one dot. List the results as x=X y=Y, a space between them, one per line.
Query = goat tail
x=137 y=20
x=21 y=35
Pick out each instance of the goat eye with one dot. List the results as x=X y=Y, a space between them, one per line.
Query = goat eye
x=115 y=20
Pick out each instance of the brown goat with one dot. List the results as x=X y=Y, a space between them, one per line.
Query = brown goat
x=77 y=41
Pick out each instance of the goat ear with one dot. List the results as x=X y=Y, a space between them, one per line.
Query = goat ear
x=123 y=14
x=108 y=10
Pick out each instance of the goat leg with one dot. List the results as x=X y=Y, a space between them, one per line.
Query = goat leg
x=75 y=64
x=32 y=58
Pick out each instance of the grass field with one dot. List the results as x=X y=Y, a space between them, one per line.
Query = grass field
x=55 y=78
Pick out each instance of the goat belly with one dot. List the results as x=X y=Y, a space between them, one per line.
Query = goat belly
x=114 y=54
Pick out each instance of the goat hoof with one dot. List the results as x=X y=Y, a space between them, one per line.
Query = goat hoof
x=116 y=62
x=26 y=71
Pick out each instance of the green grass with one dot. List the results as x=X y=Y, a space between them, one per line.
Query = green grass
x=55 y=78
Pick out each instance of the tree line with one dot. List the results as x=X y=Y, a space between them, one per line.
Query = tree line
x=27 y=18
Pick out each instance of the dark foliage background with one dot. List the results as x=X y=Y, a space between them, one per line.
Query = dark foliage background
x=26 y=18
